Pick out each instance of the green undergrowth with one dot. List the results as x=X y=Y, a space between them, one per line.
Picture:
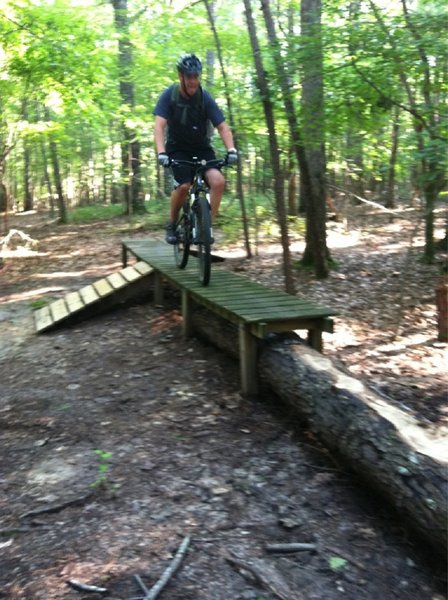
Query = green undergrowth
x=94 y=212
x=260 y=214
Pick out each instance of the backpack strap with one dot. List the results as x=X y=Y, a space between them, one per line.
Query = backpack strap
x=176 y=101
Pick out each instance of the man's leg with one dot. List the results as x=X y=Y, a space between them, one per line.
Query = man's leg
x=216 y=182
x=178 y=197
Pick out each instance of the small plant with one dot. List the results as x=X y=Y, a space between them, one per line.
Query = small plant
x=40 y=303
x=337 y=563
x=103 y=468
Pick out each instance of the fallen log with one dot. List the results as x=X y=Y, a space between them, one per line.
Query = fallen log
x=403 y=461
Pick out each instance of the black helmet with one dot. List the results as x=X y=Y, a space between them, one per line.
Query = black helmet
x=189 y=64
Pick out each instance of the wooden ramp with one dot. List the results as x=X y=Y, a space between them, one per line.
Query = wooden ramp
x=93 y=298
x=256 y=309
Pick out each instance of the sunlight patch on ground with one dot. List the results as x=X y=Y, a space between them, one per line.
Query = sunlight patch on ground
x=51 y=472
x=343 y=239
x=94 y=271
x=23 y=296
x=21 y=252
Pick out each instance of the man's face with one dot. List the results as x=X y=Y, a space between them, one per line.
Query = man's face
x=190 y=83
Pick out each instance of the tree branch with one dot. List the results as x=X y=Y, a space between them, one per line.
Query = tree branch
x=152 y=593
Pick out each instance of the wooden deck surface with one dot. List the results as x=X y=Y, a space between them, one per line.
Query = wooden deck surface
x=232 y=296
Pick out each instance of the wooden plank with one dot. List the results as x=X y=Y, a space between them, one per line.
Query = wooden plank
x=88 y=294
x=130 y=274
x=74 y=302
x=259 y=313
x=58 y=310
x=143 y=268
x=42 y=318
x=116 y=280
x=262 y=303
x=103 y=287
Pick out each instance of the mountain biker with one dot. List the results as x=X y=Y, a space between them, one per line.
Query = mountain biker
x=183 y=115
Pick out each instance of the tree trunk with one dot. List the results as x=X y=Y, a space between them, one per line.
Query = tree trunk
x=27 y=188
x=47 y=177
x=130 y=146
x=263 y=87
x=58 y=182
x=288 y=101
x=442 y=308
x=390 y=190
x=316 y=251
x=424 y=103
x=385 y=446
x=57 y=174
x=239 y=177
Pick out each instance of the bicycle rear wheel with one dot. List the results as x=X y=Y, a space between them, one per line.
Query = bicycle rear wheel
x=182 y=246
x=203 y=232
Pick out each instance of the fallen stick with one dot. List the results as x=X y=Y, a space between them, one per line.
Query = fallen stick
x=82 y=587
x=139 y=580
x=293 y=547
x=168 y=573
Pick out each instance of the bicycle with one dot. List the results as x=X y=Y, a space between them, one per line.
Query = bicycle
x=194 y=225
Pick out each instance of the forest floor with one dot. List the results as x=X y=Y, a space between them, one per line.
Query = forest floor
x=119 y=438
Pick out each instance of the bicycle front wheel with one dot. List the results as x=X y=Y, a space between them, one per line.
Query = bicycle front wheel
x=203 y=232
x=182 y=245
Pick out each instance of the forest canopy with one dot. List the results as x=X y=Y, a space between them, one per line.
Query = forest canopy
x=79 y=80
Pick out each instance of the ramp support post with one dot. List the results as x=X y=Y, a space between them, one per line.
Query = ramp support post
x=187 y=326
x=124 y=255
x=158 y=288
x=248 y=360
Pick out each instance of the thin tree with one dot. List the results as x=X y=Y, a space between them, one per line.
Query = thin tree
x=56 y=173
x=27 y=190
x=310 y=189
x=316 y=252
x=263 y=87
x=239 y=178
x=390 y=186
x=421 y=104
x=130 y=147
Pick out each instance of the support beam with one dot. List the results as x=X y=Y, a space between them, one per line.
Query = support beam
x=158 y=289
x=187 y=326
x=248 y=360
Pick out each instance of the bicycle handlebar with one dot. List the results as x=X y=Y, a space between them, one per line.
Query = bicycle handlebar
x=200 y=164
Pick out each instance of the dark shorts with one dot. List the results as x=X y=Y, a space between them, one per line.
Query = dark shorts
x=184 y=174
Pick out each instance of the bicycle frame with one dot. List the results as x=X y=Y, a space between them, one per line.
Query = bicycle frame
x=194 y=222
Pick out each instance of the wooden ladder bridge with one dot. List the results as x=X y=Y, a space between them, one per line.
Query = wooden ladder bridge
x=256 y=309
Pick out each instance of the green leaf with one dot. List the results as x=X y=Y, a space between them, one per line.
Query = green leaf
x=337 y=563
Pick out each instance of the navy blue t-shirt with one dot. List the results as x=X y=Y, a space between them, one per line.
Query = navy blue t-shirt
x=188 y=119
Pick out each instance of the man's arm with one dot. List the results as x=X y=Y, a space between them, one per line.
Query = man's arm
x=226 y=135
x=159 y=133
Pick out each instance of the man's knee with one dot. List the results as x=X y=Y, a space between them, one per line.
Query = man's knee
x=182 y=189
x=216 y=180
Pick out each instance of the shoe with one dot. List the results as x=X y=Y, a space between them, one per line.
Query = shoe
x=171 y=234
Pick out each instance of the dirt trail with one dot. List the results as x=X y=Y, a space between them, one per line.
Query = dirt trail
x=156 y=423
